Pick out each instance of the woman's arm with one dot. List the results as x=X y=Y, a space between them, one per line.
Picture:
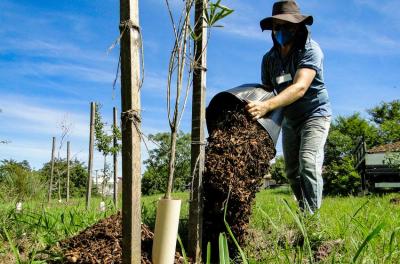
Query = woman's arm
x=292 y=93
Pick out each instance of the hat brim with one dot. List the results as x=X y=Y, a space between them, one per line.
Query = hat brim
x=266 y=23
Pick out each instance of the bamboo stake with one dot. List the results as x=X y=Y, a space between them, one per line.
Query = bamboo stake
x=52 y=170
x=130 y=125
x=115 y=159
x=198 y=122
x=90 y=162
x=68 y=161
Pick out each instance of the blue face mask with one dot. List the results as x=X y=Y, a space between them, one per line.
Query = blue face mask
x=283 y=36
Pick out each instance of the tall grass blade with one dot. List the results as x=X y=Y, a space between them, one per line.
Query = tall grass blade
x=300 y=225
x=268 y=218
x=392 y=238
x=208 y=253
x=242 y=255
x=370 y=236
x=12 y=246
x=359 y=209
x=222 y=257
x=183 y=250
x=226 y=250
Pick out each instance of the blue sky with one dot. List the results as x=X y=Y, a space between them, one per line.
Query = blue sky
x=54 y=61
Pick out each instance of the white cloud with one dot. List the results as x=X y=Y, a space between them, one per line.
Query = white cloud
x=65 y=50
x=29 y=123
x=21 y=115
x=352 y=38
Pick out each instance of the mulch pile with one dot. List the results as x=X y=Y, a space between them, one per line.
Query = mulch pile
x=102 y=243
x=237 y=158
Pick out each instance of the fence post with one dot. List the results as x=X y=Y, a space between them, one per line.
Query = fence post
x=52 y=170
x=198 y=122
x=130 y=126
x=115 y=156
x=90 y=162
x=68 y=160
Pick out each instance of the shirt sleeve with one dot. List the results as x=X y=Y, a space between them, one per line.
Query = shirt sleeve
x=312 y=58
x=265 y=75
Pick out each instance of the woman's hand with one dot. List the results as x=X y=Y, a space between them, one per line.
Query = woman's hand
x=258 y=109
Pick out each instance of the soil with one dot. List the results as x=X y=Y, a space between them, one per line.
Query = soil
x=102 y=243
x=237 y=159
x=395 y=200
x=326 y=248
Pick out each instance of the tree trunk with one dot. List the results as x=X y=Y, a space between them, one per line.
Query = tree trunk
x=130 y=124
x=52 y=170
x=198 y=123
x=103 y=182
x=59 y=184
x=171 y=167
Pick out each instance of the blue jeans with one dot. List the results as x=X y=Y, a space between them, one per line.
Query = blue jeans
x=303 y=150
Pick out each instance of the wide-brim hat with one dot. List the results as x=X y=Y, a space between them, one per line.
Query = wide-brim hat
x=286 y=10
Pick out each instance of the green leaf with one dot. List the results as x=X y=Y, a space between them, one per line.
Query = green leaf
x=370 y=236
x=215 y=13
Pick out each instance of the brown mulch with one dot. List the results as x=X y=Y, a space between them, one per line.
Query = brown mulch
x=391 y=147
x=102 y=243
x=237 y=157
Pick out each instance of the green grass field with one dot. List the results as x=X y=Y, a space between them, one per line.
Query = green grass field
x=347 y=229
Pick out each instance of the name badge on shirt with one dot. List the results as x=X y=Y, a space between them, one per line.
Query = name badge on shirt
x=283 y=78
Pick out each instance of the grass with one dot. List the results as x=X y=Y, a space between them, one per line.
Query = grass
x=357 y=230
x=346 y=230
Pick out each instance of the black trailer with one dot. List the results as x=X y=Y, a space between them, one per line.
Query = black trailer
x=373 y=166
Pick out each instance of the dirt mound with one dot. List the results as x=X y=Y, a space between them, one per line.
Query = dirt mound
x=395 y=200
x=237 y=158
x=102 y=243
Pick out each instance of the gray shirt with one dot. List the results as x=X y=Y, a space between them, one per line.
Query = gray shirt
x=315 y=102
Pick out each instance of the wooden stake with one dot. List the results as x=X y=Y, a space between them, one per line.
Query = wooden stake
x=198 y=123
x=115 y=159
x=90 y=162
x=68 y=157
x=130 y=126
x=52 y=170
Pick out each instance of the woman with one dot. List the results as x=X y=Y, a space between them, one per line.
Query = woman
x=294 y=67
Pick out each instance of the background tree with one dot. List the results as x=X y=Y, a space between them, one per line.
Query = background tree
x=387 y=117
x=277 y=170
x=19 y=181
x=78 y=175
x=65 y=127
x=155 y=177
x=104 y=142
x=339 y=174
